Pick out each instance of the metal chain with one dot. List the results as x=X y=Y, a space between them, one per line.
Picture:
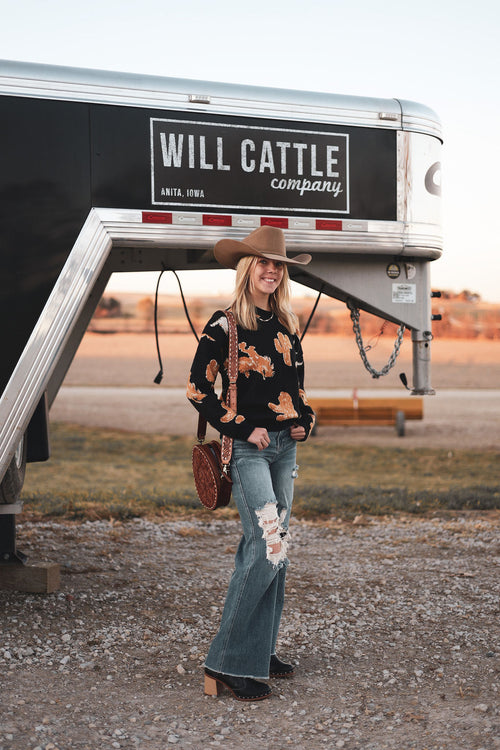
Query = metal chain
x=362 y=351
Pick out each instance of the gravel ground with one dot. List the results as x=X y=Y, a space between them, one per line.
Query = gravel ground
x=452 y=419
x=109 y=384
x=393 y=624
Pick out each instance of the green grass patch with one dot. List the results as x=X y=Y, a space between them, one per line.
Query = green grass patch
x=95 y=473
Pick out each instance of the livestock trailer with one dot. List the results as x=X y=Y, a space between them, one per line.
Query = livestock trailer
x=105 y=172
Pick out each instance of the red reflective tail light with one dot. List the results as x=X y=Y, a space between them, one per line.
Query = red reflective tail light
x=217 y=220
x=274 y=221
x=329 y=224
x=156 y=217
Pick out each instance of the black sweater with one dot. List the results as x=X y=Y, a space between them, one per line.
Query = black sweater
x=270 y=385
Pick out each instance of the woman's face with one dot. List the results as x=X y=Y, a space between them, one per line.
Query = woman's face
x=266 y=276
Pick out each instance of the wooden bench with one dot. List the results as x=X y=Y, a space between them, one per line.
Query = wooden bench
x=367 y=411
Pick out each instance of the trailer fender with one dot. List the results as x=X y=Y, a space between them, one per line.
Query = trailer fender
x=12 y=483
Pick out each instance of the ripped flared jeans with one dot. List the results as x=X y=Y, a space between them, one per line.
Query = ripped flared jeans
x=263 y=491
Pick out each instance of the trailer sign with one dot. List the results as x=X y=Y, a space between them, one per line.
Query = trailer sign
x=226 y=165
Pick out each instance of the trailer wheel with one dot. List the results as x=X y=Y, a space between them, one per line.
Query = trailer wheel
x=400 y=423
x=12 y=483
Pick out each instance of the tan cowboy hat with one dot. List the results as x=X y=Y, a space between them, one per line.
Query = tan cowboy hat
x=266 y=242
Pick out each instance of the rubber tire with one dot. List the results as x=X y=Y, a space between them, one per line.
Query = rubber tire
x=400 y=423
x=13 y=481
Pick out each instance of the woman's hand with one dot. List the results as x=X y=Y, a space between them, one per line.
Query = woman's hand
x=259 y=437
x=297 y=432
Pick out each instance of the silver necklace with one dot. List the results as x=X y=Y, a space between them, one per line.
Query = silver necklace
x=266 y=320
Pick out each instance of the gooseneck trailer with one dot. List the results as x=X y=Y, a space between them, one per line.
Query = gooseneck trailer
x=104 y=172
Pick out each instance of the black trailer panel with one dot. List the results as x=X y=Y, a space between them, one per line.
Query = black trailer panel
x=215 y=163
x=45 y=197
x=61 y=158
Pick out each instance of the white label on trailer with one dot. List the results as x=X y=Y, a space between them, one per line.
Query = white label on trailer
x=355 y=226
x=406 y=293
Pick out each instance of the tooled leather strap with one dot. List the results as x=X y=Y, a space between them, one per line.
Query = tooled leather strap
x=202 y=428
x=227 y=442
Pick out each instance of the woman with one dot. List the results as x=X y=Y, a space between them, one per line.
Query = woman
x=272 y=415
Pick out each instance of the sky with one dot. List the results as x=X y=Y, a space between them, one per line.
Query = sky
x=441 y=53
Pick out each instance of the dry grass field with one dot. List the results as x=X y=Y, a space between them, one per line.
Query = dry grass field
x=129 y=359
x=110 y=384
x=146 y=427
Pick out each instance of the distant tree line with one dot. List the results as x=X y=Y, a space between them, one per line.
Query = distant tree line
x=463 y=315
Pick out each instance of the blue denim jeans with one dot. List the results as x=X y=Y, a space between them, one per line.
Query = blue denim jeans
x=263 y=491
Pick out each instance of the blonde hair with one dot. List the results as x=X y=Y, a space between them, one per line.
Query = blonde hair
x=243 y=305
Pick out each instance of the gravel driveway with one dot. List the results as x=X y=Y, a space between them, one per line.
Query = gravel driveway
x=452 y=419
x=109 y=384
x=393 y=624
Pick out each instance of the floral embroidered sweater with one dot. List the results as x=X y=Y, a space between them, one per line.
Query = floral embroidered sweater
x=270 y=385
